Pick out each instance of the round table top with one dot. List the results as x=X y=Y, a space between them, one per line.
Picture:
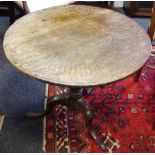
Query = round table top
x=77 y=45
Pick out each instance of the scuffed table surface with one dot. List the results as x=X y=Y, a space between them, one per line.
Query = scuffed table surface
x=77 y=45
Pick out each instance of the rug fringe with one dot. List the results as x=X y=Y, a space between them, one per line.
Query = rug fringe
x=44 y=120
x=1 y=119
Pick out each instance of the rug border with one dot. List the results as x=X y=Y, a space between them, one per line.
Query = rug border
x=44 y=120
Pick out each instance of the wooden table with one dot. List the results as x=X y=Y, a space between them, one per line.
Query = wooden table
x=79 y=47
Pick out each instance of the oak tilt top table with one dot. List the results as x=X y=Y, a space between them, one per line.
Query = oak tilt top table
x=77 y=46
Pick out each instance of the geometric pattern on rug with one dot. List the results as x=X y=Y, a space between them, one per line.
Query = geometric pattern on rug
x=125 y=118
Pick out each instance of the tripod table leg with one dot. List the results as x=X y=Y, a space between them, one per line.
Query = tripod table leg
x=89 y=118
x=60 y=99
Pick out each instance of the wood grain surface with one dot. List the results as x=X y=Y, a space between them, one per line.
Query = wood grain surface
x=77 y=45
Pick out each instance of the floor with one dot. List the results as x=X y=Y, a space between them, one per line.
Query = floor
x=19 y=94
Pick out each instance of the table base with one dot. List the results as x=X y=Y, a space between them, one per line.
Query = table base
x=70 y=99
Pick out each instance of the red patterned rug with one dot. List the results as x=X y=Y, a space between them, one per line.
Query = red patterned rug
x=125 y=120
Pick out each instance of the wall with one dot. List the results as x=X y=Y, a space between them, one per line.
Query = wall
x=118 y=4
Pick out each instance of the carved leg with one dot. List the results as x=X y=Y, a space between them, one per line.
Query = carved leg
x=89 y=119
x=60 y=99
x=137 y=75
x=73 y=98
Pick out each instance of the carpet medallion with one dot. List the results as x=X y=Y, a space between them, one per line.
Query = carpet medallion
x=125 y=118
